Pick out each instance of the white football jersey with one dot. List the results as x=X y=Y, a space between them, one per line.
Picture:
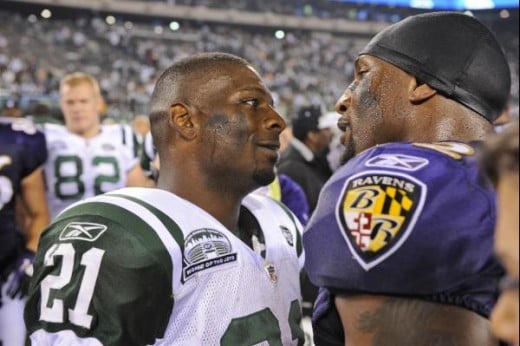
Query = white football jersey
x=77 y=168
x=163 y=271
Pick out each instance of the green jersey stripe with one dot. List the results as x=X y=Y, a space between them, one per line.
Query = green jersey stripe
x=167 y=221
x=128 y=221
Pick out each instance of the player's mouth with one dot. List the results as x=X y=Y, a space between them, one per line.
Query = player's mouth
x=344 y=125
x=275 y=146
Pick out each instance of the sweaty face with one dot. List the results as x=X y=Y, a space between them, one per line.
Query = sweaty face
x=241 y=133
x=372 y=105
x=505 y=316
x=80 y=106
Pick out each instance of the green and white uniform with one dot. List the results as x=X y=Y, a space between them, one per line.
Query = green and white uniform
x=78 y=168
x=142 y=266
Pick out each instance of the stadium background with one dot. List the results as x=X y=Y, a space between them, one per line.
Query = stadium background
x=304 y=49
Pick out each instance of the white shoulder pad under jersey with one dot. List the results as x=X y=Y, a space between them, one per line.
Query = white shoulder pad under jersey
x=142 y=266
x=78 y=168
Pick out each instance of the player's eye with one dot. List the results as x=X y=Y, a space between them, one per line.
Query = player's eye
x=251 y=102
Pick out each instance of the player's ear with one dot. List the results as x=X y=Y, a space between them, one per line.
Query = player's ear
x=419 y=91
x=180 y=119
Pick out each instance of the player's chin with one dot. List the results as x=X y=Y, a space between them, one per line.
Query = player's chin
x=264 y=176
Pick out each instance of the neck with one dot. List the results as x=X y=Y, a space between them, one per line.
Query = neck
x=455 y=124
x=222 y=205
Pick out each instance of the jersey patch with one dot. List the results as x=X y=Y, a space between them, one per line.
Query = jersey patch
x=377 y=212
x=204 y=249
x=398 y=161
x=87 y=231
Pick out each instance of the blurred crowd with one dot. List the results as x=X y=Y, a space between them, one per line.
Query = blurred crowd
x=300 y=68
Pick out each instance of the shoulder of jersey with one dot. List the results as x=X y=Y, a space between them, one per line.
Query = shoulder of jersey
x=411 y=157
x=118 y=133
x=53 y=129
x=25 y=131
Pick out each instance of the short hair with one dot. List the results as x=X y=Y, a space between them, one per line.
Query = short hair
x=78 y=78
x=500 y=153
x=187 y=70
x=179 y=83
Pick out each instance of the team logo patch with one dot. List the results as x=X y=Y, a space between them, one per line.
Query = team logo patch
x=398 y=161
x=87 y=231
x=204 y=249
x=377 y=212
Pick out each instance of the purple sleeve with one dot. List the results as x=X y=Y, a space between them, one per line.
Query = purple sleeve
x=294 y=198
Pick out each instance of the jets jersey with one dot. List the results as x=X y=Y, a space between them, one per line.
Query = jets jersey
x=22 y=150
x=78 y=168
x=407 y=219
x=142 y=266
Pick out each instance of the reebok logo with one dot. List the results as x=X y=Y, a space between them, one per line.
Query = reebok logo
x=87 y=231
x=399 y=161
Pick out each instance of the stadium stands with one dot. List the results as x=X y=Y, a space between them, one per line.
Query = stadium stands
x=126 y=56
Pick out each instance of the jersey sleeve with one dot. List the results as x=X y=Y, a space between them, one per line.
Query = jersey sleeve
x=101 y=276
x=406 y=219
x=33 y=143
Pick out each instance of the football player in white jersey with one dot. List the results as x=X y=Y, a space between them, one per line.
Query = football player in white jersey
x=200 y=260
x=85 y=157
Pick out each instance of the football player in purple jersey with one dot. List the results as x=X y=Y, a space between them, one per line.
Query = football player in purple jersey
x=401 y=242
x=22 y=154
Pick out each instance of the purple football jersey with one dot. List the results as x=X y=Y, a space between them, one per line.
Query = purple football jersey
x=410 y=220
x=22 y=150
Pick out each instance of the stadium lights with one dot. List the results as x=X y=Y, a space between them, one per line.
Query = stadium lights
x=174 y=26
x=110 y=20
x=46 y=13
x=279 y=34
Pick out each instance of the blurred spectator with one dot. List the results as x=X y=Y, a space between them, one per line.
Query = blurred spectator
x=11 y=108
x=141 y=126
x=501 y=162
x=305 y=159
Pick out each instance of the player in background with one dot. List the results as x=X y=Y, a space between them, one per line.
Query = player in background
x=199 y=260
x=87 y=158
x=22 y=154
x=401 y=242
x=500 y=160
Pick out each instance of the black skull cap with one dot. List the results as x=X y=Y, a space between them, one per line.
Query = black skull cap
x=452 y=52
